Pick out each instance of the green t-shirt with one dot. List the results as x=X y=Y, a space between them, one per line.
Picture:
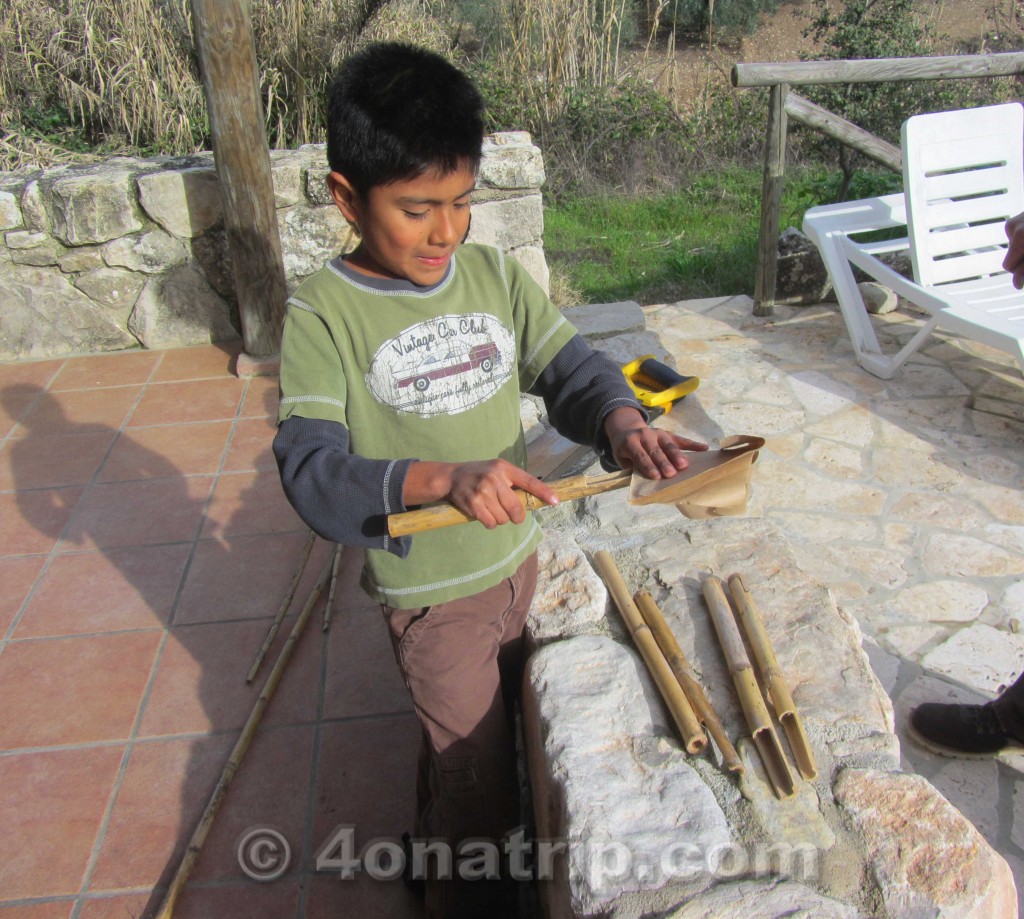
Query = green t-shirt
x=431 y=373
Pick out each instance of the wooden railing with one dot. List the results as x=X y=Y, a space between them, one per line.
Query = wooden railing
x=784 y=104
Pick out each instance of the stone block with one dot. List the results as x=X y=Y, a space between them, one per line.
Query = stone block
x=211 y=254
x=45 y=253
x=979 y=656
x=571 y=598
x=927 y=859
x=33 y=208
x=154 y=252
x=94 y=206
x=180 y=308
x=112 y=287
x=310 y=237
x=508 y=224
x=800 y=273
x=878 y=298
x=317 y=192
x=287 y=169
x=25 y=239
x=532 y=259
x=510 y=160
x=611 y=780
x=598 y=321
x=81 y=258
x=185 y=202
x=10 y=210
x=45 y=316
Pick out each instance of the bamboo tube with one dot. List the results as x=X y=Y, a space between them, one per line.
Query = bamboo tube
x=279 y=618
x=195 y=844
x=771 y=674
x=754 y=709
x=687 y=679
x=446 y=515
x=329 y=608
x=682 y=714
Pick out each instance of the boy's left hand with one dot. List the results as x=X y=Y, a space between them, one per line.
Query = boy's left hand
x=635 y=445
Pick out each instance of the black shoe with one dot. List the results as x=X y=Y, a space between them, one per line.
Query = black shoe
x=417 y=886
x=961 y=730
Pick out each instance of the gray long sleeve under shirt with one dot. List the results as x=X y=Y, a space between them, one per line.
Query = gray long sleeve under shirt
x=343 y=497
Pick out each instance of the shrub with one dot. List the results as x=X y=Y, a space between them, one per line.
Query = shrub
x=868 y=29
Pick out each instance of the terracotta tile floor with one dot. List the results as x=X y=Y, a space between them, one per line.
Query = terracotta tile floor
x=145 y=547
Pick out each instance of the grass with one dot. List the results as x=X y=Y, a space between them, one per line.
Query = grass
x=700 y=241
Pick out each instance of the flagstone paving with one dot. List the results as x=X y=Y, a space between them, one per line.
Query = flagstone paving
x=145 y=548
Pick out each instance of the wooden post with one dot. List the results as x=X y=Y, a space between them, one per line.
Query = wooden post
x=227 y=57
x=771 y=201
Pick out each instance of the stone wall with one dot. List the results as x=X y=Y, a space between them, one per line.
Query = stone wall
x=132 y=252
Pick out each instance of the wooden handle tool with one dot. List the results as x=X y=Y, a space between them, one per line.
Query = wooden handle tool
x=683 y=715
x=438 y=516
x=772 y=676
x=686 y=678
x=760 y=722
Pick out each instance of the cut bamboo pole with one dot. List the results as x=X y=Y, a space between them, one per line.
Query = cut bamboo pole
x=279 y=618
x=772 y=676
x=760 y=722
x=446 y=515
x=682 y=714
x=195 y=844
x=329 y=608
x=687 y=679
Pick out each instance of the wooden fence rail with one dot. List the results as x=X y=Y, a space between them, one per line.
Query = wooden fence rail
x=783 y=104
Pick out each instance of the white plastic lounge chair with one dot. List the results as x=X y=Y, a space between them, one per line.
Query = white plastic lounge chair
x=963 y=176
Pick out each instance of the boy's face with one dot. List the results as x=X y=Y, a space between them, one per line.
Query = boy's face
x=409 y=228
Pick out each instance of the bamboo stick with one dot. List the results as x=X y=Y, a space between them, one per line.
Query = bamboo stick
x=765 y=739
x=694 y=738
x=446 y=515
x=771 y=674
x=195 y=844
x=329 y=608
x=279 y=618
x=687 y=679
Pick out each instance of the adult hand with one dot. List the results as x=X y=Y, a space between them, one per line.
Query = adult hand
x=1014 y=260
x=652 y=452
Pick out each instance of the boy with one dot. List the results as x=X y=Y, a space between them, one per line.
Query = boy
x=402 y=365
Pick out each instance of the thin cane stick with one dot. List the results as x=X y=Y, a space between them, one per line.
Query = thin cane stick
x=687 y=678
x=694 y=738
x=279 y=618
x=774 y=679
x=195 y=844
x=329 y=608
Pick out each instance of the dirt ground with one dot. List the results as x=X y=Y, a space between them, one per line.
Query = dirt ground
x=962 y=26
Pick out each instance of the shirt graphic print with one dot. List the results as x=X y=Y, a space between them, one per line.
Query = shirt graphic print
x=443 y=366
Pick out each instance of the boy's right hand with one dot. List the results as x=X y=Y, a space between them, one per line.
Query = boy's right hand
x=486 y=490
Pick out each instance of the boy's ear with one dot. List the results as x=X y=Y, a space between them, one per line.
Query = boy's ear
x=345 y=197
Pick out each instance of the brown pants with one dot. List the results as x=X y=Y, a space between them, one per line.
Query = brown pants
x=463 y=664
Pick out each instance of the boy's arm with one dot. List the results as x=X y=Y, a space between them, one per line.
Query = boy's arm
x=346 y=498
x=343 y=497
x=589 y=401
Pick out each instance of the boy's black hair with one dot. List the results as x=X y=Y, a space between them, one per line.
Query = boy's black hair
x=395 y=111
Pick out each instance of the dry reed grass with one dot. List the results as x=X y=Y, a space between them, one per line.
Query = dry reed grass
x=122 y=75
